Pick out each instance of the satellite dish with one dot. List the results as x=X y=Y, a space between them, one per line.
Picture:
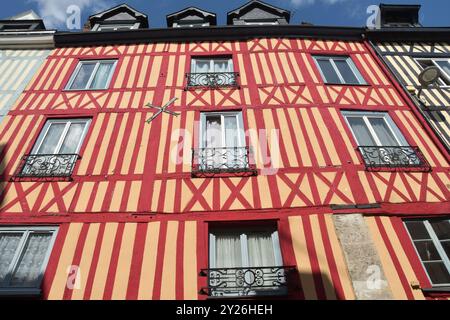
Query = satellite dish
x=429 y=76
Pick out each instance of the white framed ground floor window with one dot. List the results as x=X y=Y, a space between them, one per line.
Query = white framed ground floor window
x=24 y=254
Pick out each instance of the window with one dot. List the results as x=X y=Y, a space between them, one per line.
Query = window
x=338 y=70
x=245 y=262
x=222 y=143
x=92 y=75
x=381 y=142
x=261 y=22
x=190 y=23
x=56 y=149
x=431 y=239
x=211 y=65
x=443 y=65
x=212 y=72
x=116 y=27
x=374 y=129
x=61 y=136
x=24 y=253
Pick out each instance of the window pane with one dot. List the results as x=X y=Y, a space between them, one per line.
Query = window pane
x=362 y=133
x=446 y=246
x=427 y=250
x=8 y=247
x=213 y=132
x=441 y=228
x=417 y=230
x=260 y=250
x=50 y=142
x=202 y=66
x=228 y=251
x=30 y=263
x=438 y=272
x=383 y=132
x=82 y=78
x=72 y=139
x=328 y=71
x=101 y=77
x=231 y=132
x=220 y=65
x=346 y=72
x=445 y=65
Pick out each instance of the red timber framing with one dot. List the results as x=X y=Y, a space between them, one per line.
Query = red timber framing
x=136 y=222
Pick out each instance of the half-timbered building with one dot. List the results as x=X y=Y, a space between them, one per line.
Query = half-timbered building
x=260 y=159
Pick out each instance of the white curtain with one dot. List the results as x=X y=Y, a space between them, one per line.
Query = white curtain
x=221 y=65
x=260 y=250
x=202 y=66
x=361 y=131
x=228 y=251
x=8 y=247
x=102 y=75
x=72 y=139
x=51 y=140
x=29 y=266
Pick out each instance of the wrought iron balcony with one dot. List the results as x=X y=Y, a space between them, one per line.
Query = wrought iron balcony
x=211 y=161
x=212 y=79
x=392 y=158
x=46 y=165
x=244 y=282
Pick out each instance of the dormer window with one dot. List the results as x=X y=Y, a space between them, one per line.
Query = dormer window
x=191 y=17
x=258 y=13
x=119 y=18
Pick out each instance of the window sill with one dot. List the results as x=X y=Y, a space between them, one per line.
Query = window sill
x=83 y=90
x=347 y=84
x=20 y=292
x=443 y=289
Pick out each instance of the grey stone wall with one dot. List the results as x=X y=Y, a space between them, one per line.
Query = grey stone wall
x=364 y=266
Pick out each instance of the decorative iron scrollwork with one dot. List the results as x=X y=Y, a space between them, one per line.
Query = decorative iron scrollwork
x=237 y=282
x=211 y=161
x=394 y=158
x=46 y=165
x=212 y=79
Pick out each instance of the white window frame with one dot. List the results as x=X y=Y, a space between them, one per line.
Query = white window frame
x=192 y=24
x=27 y=231
x=350 y=63
x=212 y=60
x=443 y=83
x=437 y=245
x=93 y=74
x=261 y=22
x=99 y=26
x=369 y=114
x=240 y=127
x=68 y=123
x=244 y=247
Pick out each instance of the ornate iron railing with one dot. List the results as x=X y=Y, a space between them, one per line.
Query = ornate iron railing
x=391 y=158
x=212 y=161
x=46 y=165
x=242 y=282
x=212 y=79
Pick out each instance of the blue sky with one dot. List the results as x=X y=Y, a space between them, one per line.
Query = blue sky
x=320 y=12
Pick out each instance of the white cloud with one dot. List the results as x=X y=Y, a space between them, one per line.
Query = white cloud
x=54 y=12
x=298 y=3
